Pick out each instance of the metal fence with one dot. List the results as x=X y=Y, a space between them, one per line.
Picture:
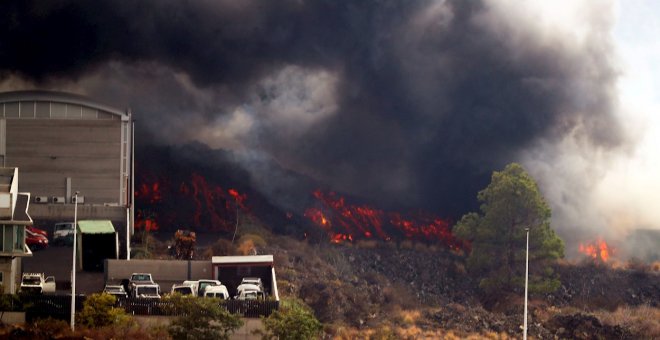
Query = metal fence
x=246 y=308
x=59 y=306
x=44 y=306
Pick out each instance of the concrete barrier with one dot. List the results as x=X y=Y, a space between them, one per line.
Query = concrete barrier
x=243 y=333
x=12 y=318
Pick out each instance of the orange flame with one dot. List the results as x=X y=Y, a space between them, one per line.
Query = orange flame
x=598 y=250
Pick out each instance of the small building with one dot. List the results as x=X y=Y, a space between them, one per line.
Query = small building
x=97 y=240
x=14 y=218
x=230 y=270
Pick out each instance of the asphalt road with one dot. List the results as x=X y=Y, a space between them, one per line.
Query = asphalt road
x=56 y=261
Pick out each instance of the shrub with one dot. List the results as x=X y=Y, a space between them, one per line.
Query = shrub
x=248 y=243
x=10 y=302
x=221 y=247
x=201 y=319
x=294 y=320
x=98 y=311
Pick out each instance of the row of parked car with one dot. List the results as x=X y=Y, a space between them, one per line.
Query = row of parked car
x=37 y=238
x=250 y=288
x=142 y=285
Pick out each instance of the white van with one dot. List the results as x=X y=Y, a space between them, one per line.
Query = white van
x=217 y=292
x=184 y=290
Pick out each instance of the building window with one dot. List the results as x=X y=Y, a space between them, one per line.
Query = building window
x=19 y=234
x=7 y=238
x=13 y=238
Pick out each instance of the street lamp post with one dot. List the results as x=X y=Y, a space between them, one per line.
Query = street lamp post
x=526 y=282
x=73 y=269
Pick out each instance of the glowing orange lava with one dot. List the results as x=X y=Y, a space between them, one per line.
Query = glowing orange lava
x=345 y=222
x=200 y=204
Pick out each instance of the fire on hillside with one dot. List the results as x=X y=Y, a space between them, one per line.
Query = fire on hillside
x=343 y=221
x=197 y=204
x=598 y=250
x=189 y=203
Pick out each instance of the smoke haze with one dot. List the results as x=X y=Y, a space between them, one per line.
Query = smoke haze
x=402 y=103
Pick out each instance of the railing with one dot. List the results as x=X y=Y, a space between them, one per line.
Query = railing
x=59 y=306
x=43 y=306
x=246 y=308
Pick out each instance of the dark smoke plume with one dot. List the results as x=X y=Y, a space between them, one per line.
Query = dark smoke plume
x=406 y=103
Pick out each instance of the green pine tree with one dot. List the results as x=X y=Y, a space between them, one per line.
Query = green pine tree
x=511 y=203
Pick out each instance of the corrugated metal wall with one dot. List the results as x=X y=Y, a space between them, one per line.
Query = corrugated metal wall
x=47 y=151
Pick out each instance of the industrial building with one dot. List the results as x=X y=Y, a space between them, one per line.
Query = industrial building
x=65 y=143
x=14 y=218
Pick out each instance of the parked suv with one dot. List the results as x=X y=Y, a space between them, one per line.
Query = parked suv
x=63 y=234
x=253 y=281
x=148 y=291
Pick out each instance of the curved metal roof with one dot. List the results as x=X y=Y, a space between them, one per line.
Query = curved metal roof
x=59 y=97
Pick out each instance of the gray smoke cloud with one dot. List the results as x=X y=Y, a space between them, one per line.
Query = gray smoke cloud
x=403 y=103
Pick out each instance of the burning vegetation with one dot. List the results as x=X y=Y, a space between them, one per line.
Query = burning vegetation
x=598 y=250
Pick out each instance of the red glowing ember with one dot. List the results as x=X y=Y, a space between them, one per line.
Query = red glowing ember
x=598 y=250
x=147 y=222
x=345 y=222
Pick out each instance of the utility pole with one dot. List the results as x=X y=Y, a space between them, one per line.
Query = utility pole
x=236 y=228
x=73 y=269
x=526 y=282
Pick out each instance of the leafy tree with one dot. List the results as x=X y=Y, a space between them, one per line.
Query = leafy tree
x=511 y=203
x=98 y=311
x=293 y=321
x=201 y=319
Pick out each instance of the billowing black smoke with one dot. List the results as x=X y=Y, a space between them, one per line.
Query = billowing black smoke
x=422 y=100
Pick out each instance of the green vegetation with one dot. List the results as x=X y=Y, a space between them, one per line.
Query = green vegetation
x=201 y=319
x=511 y=203
x=293 y=321
x=99 y=311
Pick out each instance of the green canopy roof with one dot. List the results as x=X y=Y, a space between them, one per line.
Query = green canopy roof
x=96 y=227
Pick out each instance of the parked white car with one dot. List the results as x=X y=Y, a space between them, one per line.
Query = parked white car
x=36 y=283
x=116 y=290
x=203 y=284
x=185 y=289
x=149 y=291
x=254 y=281
x=247 y=287
x=217 y=292
x=63 y=233
x=250 y=294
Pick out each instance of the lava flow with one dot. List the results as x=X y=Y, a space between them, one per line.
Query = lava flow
x=345 y=222
x=598 y=250
x=191 y=203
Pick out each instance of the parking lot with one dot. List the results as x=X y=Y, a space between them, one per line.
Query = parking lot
x=56 y=261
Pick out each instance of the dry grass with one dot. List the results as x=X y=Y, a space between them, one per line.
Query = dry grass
x=367 y=244
x=409 y=317
x=641 y=320
x=386 y=332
